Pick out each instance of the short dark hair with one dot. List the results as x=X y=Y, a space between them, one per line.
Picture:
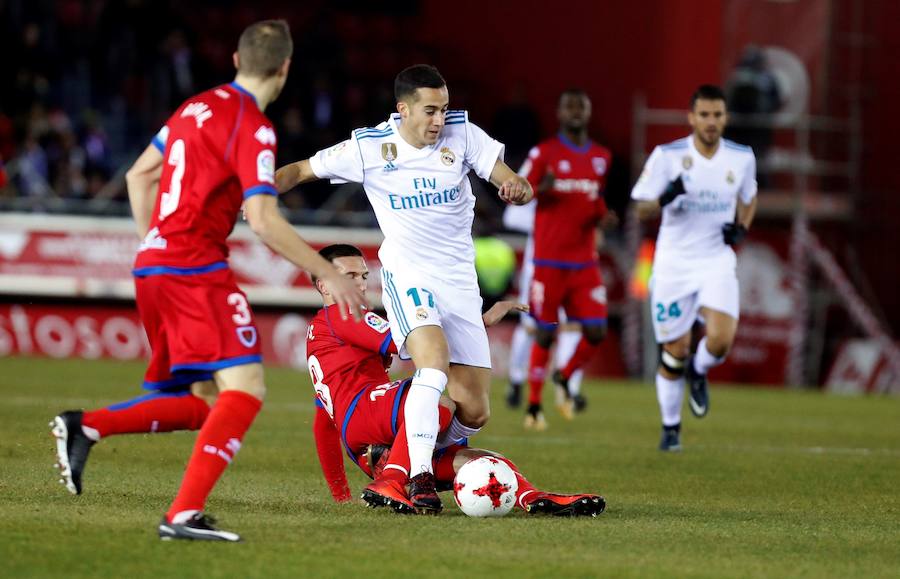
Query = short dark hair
x=334 y=251
x=708 y=92
x=575 y=91
x=415 y=77
x=263 y=48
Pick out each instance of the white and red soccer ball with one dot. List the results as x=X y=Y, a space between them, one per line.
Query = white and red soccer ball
x=485 y=487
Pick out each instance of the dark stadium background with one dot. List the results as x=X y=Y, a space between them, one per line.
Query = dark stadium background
x=87 y=83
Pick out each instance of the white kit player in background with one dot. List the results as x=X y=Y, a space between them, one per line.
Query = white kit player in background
x=521 y=218
x=705 y=187
x=414 y=168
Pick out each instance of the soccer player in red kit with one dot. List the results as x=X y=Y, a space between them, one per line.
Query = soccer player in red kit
x=358 y=406
x=568 y=175
x=215 y=154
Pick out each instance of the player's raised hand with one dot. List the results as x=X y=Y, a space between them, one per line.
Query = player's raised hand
x=500 y=309
x=516 y=190
x=346 y=294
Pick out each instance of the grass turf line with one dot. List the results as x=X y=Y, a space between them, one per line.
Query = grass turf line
x=771 y=483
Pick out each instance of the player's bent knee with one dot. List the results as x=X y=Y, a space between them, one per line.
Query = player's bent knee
x=206 y=391
x=247 y=378
x=718 y=346
x=672 y=364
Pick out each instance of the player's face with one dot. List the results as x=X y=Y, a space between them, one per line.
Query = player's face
x=423 y=114
x=574 y=112
x=708 y=120
x=355 y=268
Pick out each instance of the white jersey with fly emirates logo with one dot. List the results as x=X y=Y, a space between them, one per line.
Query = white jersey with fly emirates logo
x=690 y=238
x=421 y=197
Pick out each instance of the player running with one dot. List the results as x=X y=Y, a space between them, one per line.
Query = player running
x=414 y=169
x=358 y=405
x=699 y=183
x=568 y=335
x=215 y=154
x=568 y=174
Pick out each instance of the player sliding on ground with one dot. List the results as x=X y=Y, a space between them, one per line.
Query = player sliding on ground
x=360 y=407
x=414 y=168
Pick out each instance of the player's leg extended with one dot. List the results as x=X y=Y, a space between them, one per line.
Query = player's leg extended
x=241 y=392
x=567 y=340
x=528 y=498
x=670 y=390
x=468 y=387
x=586 y=304
x=77 y=431
x=519 y=353
x=429 y=350
x=711 y=351
x=537 y=370
x=720 y=331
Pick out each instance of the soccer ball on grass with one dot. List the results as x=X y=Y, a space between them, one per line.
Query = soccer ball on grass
x=485 y=487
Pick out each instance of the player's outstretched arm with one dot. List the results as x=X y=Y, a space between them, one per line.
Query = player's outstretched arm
x=514 y=188
x=331 y=459
x=500 y=309
x=289 y=176
x=142 y=182
x=271 y=227
x=746 y=212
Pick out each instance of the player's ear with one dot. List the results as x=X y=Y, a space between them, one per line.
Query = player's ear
x=283 y=71
x=237 y=60
x=320 y=285
x=403 y=109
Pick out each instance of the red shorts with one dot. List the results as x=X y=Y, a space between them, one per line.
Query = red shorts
x=196 y=324
x=373 y=417
x=579 y=292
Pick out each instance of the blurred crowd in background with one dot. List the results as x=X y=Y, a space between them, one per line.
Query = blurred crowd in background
x=89 y=83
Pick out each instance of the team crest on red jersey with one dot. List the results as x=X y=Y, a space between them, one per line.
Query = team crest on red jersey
x=247 y=335
x=599 y=164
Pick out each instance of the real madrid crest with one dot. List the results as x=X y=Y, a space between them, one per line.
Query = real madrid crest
x=388 y=151
x=729 y=178
x=687 y=162
x=447 y=156
x=421 y=314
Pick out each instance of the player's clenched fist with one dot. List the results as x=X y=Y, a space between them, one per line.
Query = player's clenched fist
x=516 y=190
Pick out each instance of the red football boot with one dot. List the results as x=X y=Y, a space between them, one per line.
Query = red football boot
x=388 y=493
x=563 y=505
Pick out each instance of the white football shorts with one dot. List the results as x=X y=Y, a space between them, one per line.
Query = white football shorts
x=412 y=301
x=675 y=305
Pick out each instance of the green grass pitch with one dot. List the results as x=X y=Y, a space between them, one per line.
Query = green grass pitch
x=771 y=484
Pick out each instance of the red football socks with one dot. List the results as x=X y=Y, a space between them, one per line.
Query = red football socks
x=536 y=371
x=582 y=354
x=525 y=487
x=217 y=443
x=156 y=412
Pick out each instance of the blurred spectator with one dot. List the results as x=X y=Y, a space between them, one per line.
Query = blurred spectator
x=516 y=125
x=752 y=89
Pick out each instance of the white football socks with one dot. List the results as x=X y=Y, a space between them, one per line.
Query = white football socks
x=422 y=417
x=566 y=344
x=519 y=351
x=670 y=394
x=704 y=360
x=455 y=432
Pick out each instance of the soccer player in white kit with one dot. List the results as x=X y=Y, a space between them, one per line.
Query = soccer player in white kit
x=705 y=187
x=414 y=169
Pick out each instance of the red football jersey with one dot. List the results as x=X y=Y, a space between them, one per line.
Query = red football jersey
x=567 y=215
x=345 y=356
x=218 y=149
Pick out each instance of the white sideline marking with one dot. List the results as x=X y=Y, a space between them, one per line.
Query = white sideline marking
x=823 y=450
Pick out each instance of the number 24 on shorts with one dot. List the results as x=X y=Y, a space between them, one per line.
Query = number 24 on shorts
x=670 y=313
